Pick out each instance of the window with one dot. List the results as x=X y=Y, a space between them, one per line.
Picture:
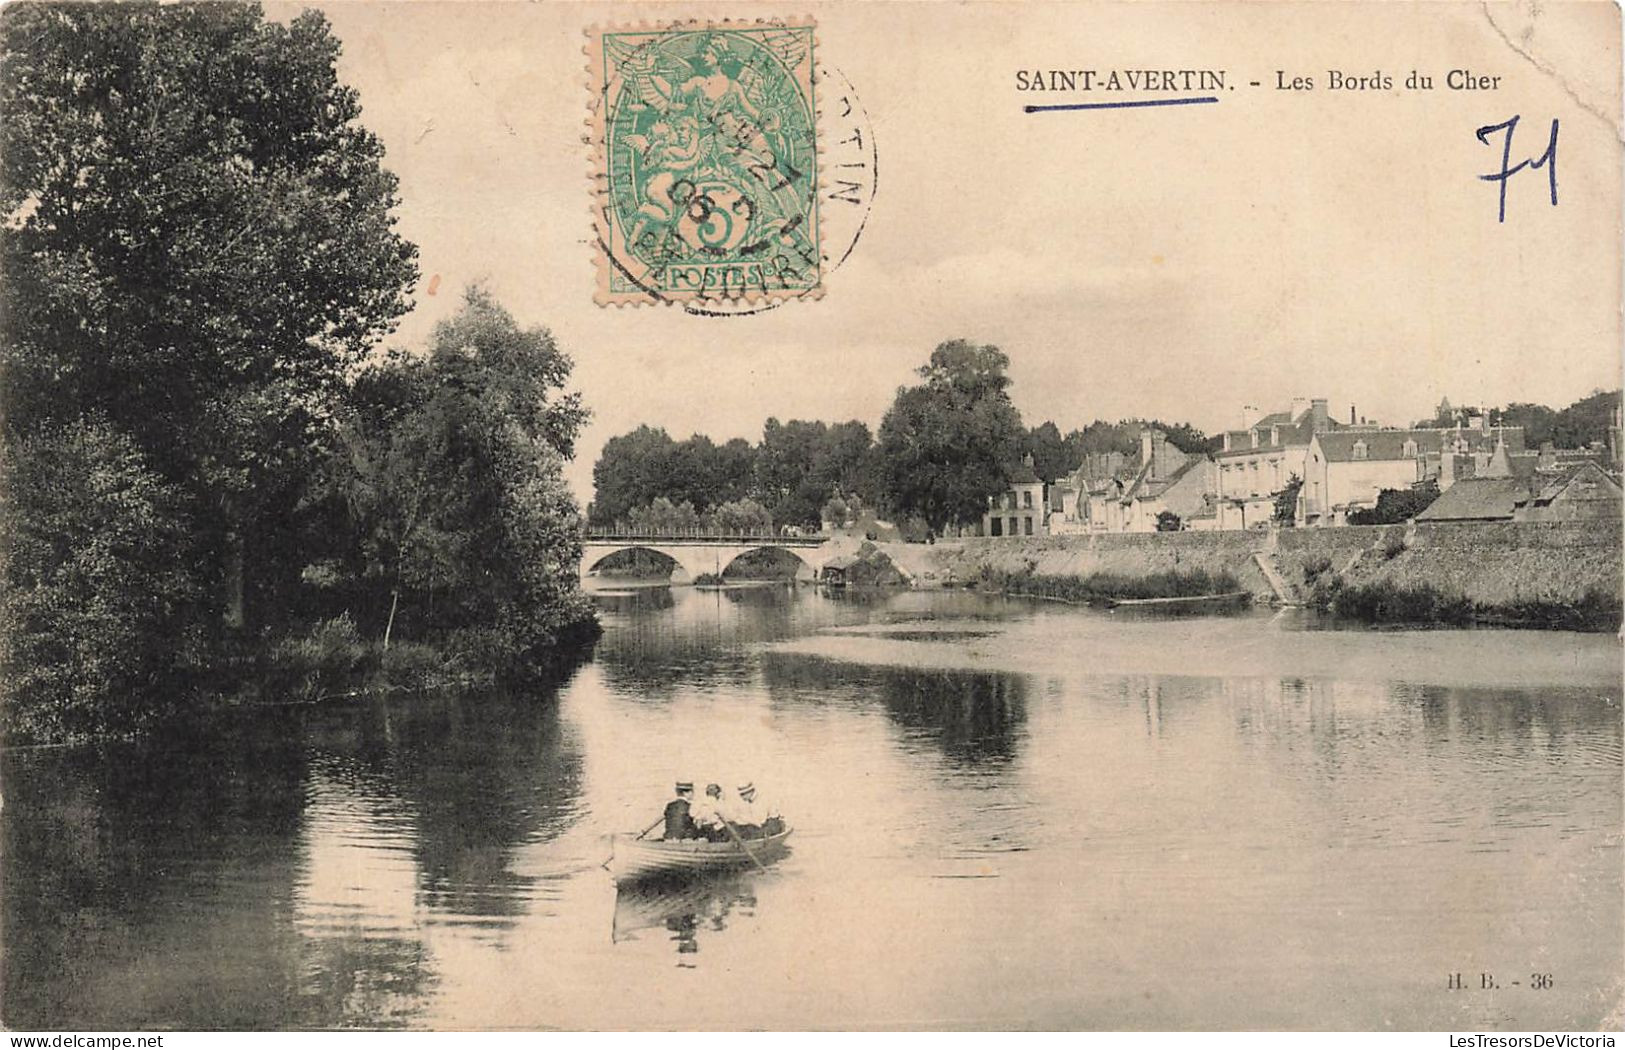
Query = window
x=1410 y=448
x=1027 y=528
x=1359 y=450
x=1015 y=527
x=996 y=527
x=1027 y=499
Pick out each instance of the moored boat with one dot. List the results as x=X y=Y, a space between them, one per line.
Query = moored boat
x=634 y=858
x=1192 y=601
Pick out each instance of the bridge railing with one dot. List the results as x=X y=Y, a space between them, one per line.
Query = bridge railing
x=622 y=534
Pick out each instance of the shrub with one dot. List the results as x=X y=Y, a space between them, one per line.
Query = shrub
x=101 y=589
x=327 y=659
x=1385 y=602
x=1315 y=568
x=412 y=665
x=1393 y=546
x=1102 y=586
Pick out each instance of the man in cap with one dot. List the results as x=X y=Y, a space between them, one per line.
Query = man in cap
x=679 y=825
x=762 y=813
x=744 y=813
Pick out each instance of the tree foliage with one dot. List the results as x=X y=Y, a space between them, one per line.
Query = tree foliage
x=451 y=469
x=791 y=472
x=1397 y=505
x=97 y=621
x=945 y=445
x=1576 y=426
x=201 y=245
x=1286 y=501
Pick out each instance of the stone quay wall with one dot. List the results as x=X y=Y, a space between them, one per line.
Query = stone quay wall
x=1490 y=563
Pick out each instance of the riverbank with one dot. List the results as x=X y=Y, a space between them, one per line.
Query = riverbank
x=1107 y=588
x=1561 y=575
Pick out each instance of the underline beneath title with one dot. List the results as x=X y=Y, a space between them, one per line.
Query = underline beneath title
x=1143 y=104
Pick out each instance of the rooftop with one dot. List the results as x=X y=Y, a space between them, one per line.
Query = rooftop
x=1478 y=499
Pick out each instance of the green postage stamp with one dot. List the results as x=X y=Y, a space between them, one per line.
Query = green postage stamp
x=706 y=163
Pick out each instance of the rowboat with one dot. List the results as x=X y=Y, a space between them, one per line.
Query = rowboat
x=634 y=858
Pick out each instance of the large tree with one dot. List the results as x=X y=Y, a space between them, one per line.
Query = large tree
x=945 y=444
x=1052 y=456
x=452 y=471
x=200 y=244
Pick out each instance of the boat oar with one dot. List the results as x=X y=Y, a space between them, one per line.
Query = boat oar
x=651 y=827
x=741 y=842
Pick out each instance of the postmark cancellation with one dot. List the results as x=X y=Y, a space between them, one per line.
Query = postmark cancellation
x=705 y=162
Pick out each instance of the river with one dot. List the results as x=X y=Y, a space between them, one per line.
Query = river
x=1008 y=813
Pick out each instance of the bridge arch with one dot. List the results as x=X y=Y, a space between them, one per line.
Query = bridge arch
x=592 y=560
x=805 y=569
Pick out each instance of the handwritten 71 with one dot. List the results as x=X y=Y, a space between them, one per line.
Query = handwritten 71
x=1547 y=160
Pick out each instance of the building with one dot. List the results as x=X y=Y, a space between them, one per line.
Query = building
x=1019 y=510
x=1587 y=493
x=1123 y=495
x=1255 y=464
x=1099 y=484
x=1185 y=491
x=1065 y=510
x=1346 y=469
x=1583 y=492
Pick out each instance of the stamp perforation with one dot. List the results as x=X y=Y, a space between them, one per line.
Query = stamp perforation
x=722 y=115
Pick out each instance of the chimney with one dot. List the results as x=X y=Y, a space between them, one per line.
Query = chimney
x=1351 y=415
x=1300 y=405
x=1145 y=446
x=1159 y=453
x=1227 y=441
x=1319 y=419
x=1447 y=468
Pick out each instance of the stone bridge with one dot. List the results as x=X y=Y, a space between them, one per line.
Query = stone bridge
x=696 y=555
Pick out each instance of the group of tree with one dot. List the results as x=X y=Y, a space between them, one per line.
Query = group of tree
x=1581 y=423
x=200 y=258
x=791 y=472
x=662 y=517
x=945 y=445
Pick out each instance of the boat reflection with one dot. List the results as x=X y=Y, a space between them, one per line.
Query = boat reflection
x=684 y=908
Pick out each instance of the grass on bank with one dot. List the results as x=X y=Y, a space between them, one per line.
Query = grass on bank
x=1105 y=586
x=1384 y=602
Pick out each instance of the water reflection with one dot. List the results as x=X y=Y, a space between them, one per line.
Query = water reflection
x=974 y=718
x=1178 y=813
x=126 y=866
x=687 y=909
x=462 y=784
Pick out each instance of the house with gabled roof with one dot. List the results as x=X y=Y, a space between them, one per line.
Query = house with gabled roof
x=1587 y=493
x=1347 y=469
x=1255 y=464
x=1584 y=492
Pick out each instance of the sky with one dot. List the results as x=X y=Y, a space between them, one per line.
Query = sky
x=1180 y=262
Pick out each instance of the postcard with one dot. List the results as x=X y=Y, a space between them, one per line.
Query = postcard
x=751 y=516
